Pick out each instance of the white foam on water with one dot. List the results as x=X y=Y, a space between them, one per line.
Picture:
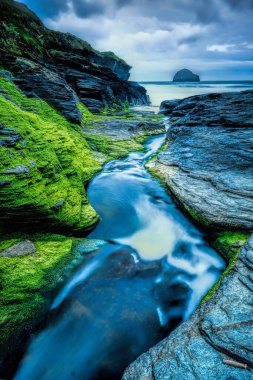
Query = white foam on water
x=157 y=237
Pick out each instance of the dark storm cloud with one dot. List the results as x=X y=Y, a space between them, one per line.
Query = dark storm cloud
x=123 y=3
x=82 y=8
x=207 y=13
x=241 y=4
x=157 y=36
x=189 y=40
x=86 y=9
x=172 y=10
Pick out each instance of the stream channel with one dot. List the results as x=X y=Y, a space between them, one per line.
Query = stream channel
x=129 y=294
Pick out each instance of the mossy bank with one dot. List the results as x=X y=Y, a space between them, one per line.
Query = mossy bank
x=32 y=268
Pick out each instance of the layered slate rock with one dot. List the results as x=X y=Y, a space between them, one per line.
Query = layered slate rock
x=61 y=68
x=185 y=75
x=208 y=162
x=221 y=329
x=126 y=129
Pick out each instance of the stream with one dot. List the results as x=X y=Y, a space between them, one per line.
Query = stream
x=132 y=292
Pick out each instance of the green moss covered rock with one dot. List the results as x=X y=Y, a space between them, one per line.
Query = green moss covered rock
x=42 y=172
x=228 y=244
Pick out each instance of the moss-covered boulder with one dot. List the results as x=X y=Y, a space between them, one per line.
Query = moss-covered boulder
x=45 y=162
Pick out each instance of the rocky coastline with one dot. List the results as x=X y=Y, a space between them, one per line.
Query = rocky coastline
x=65 y=110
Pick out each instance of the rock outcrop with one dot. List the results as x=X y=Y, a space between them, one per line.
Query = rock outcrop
x=208 y=166
x=208 y=163
x=46 y=160
x=185 y=75
x=61 y=68
x=220 y=330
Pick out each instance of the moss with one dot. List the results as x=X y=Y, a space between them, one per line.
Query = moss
x=228 y=244
x=58 y=160
x=150 y=165
x=87 y=116
x=112 y=149
x=28 y=282
x=200 y=219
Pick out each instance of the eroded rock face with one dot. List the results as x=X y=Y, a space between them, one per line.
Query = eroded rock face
x=208 y=163
x=61 y=68
x=222 y=328
x=185 y=75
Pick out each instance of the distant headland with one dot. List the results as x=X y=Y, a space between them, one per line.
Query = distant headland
x=185 y=75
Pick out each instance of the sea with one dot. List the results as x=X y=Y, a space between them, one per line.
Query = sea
x=159 y=91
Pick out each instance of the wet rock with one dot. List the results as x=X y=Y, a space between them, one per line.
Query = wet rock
x=37 y=80
x=185 y=75
x=4 y=183
x=20 y=169
x=220 y=329
x=121 y=129
x=208 y=163
x=22 y=248
x=8 y=137
x=59 y=204
x=167 y=106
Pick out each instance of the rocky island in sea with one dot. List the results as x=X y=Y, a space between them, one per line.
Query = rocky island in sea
x=186 y=75
x=126 y=246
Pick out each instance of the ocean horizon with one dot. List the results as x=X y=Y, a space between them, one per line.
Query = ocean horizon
x=167 y=90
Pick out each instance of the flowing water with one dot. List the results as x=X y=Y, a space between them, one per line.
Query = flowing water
x=128 y=295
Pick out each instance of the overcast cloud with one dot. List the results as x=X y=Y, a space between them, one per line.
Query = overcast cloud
x=157 y=37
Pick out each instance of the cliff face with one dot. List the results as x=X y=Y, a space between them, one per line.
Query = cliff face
x=61 y=68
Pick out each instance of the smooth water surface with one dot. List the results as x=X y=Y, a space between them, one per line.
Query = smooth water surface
x=159 y=91
x=128 y=295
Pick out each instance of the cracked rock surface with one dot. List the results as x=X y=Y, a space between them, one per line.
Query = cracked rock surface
x=208 y=162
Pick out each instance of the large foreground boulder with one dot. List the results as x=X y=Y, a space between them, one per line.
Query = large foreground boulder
x=208 y=162
x=219 y=332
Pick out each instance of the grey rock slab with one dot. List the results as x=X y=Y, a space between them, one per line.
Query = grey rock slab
x=20 y=169
x=123 y=130
x=208 y=163
x=22 y=248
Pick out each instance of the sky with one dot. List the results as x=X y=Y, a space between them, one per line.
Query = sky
x=213 y=38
